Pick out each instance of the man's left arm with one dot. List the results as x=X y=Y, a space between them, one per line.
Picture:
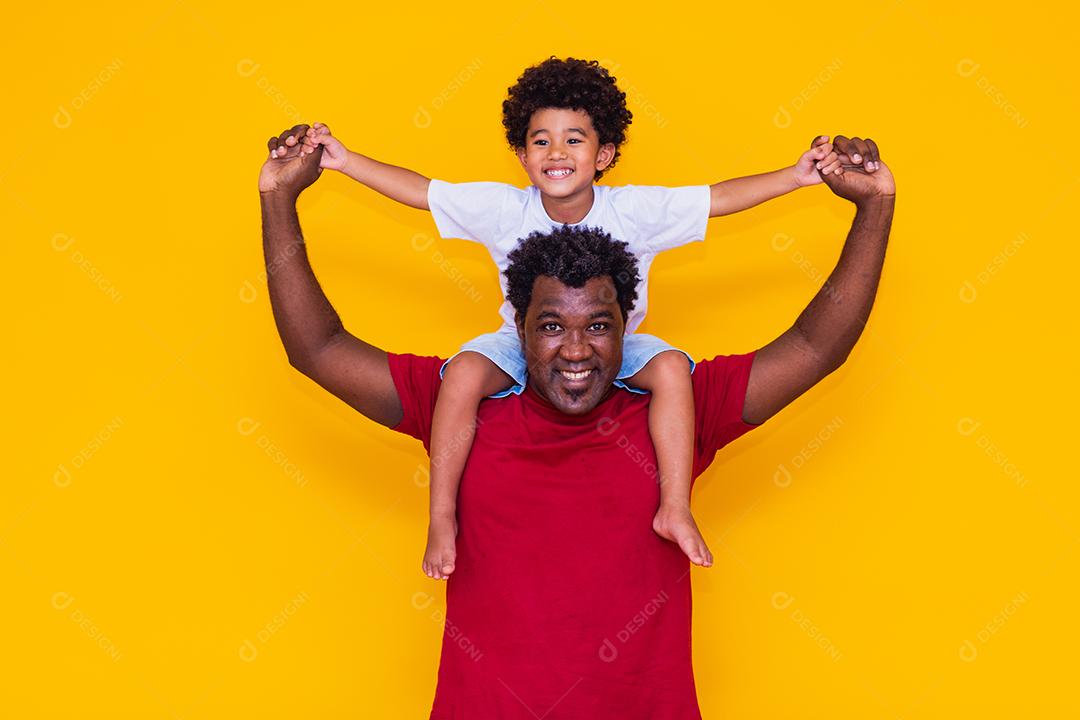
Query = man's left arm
x=825 y=332
x=315 y=340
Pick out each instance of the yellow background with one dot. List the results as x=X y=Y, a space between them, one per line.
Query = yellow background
x=191 y=529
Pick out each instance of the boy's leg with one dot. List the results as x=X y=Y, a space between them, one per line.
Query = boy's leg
x=671 y=425
x=468 y=379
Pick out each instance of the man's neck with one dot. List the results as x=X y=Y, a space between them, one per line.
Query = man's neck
x=569 y=210
x=534 y=394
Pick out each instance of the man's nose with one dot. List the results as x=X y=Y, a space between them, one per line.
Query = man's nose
x=575 y=347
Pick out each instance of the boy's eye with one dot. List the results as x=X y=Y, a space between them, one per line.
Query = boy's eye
x=573 y=140
x=540 y=142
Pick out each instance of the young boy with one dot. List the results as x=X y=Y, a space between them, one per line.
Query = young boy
x=566 y=120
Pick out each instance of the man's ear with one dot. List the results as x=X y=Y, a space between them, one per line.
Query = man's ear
x=519 y=322
x=605 y=156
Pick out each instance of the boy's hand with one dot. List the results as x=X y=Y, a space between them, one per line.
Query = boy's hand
x=819 y=159
x=334 y=151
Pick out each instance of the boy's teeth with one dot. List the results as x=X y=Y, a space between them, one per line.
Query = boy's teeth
x=558 y=173
x=576 y=375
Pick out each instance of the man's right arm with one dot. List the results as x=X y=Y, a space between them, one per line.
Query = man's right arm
x=826 y=331
x=315 y=340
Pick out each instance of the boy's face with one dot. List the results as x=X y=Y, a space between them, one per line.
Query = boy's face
x=562 y=152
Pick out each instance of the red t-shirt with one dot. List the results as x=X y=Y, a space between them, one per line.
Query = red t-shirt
x=564 y=603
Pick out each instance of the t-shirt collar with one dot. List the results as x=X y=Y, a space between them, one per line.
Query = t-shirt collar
x=543 y=213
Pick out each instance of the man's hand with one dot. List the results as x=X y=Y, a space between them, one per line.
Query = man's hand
x=287 y=171
x=861 y=176
x=334 y=151
x=820 y=158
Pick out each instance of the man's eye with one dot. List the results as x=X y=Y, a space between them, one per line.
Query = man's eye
x=598 y=327
x=550 y=327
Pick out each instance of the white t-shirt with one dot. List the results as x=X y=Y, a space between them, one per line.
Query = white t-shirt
x=649 y=219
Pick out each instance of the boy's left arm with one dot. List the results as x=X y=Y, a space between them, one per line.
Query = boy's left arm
x=737 y=194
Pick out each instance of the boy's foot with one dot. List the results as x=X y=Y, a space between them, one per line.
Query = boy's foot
x=440 y=553
x=676 y=524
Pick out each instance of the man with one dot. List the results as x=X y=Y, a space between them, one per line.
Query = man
x=564 y=603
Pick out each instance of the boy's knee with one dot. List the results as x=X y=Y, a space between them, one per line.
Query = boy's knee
x=671 y=361
x=472 y=370
x=470 y=364
x=667 y=369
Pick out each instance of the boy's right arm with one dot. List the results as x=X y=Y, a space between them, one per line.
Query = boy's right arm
x=397 y=183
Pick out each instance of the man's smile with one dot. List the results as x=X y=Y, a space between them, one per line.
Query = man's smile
x=576 y=382
x=576 y=375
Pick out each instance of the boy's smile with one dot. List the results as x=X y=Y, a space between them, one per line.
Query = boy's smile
x=561 y=156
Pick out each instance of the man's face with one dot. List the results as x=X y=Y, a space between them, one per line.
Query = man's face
x=572 y=339
x=562 y=151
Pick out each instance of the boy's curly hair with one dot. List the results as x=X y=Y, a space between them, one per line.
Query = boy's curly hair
x=572 y=84
x=573 y=255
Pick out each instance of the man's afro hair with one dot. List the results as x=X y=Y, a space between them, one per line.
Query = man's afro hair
x=574 y=85
x=573 y=255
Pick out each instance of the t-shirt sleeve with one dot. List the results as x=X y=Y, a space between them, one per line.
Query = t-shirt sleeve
x=417 y=381
x=469 y=211
x=719 y=396
x=664 y=217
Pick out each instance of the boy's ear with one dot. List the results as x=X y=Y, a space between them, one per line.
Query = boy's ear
x=521 y=155
x=605 y=156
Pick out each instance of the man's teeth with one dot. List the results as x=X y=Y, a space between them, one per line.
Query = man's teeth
x=576 y=375
x=558 y=173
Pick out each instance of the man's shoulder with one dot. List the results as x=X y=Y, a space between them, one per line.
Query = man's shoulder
x=720 y=385
x=416 y=381
x=722 y=373
x=725 y=363
x=422 y=369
